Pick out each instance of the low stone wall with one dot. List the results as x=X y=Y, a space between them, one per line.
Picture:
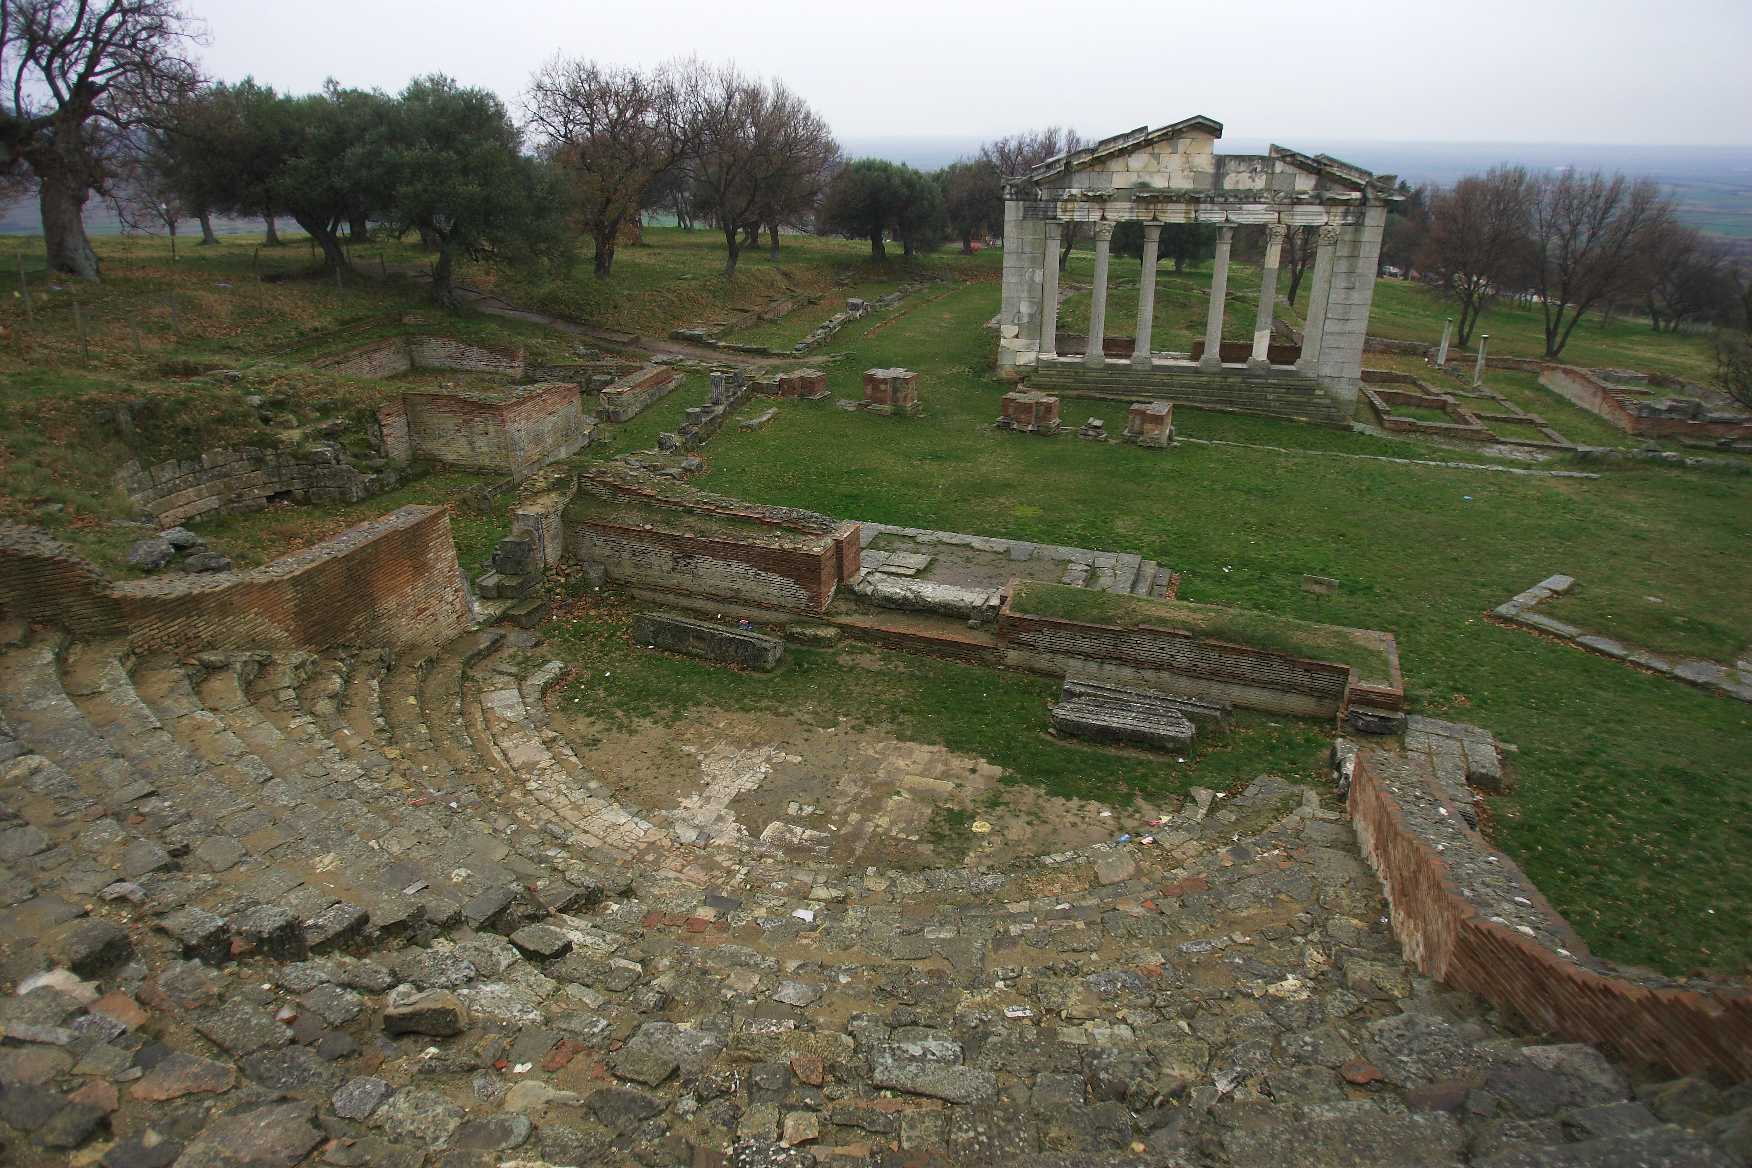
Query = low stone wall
x=517 y=431
x=1176 y=661
x=698 y=638
x=247 y=478
x=1419 y=846
x=396 y=355
x=391 y=582
x=1625 y=411
x=800 y=579
x=625 y=399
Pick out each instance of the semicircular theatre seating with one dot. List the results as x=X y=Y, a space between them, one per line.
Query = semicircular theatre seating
x=378 y=909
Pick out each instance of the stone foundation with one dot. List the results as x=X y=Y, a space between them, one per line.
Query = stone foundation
x=517 y=431
x=1029 y=412
x=892 y=391
x=625 y=399
x=1150 y=424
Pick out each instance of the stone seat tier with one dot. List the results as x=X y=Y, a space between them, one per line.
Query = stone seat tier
x=1226 y=996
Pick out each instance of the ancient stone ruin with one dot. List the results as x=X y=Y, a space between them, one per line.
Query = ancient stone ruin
x=1150 y=424
x=892 y=391
x=1174 y=175
x=1030 y=413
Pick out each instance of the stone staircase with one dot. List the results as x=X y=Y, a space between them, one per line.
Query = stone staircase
x=1279 y=394
x=350 y=909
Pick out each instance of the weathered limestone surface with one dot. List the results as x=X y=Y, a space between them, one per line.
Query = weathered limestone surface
x=699 y=638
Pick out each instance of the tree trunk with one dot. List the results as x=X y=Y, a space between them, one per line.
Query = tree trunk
x=906 y=247
x=967 y=243
x=358 y=228
x=732 y=247
x=62 y=200
x=326 y=236
x=605 y=234
x=773 y=236
x=427 y=243
x=208 y=239
x=443 y=291
x=877 y=250
x=1065 y=243
x=273 y=239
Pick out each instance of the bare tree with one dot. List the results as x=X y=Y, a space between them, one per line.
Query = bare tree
x=750 y=135
x=1016 y=154
x=78 y=76
x=801 y=157
x=1590 y=236
x=1477 y=239
x=612 y=131
x=1689 y=277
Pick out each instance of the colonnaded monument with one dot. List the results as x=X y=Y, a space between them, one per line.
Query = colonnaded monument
x=1174 y=175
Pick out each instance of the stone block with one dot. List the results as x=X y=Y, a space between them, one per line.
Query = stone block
x=1030 y=412
x=1150 y=424
x=710 y=641
x=892 y=391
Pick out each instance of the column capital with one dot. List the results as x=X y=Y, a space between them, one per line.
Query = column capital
x=1226 y=233
x=1275 y=232
x=1152 y=231
x=1103 y=230
x=1055 y=226
x=1328 y=235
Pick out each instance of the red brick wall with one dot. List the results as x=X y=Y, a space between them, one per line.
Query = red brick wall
x=517 y=436
x=43 y=581
x=1589 y=392
x=1695 y=1031
x=389 y=582
x=392 y=419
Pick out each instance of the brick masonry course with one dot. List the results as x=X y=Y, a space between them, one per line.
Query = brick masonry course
x=390 y=582
x=1420 y=848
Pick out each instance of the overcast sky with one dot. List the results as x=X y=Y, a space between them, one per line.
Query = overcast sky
x=1279 y=70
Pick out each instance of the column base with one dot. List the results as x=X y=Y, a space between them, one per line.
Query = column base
x=1143 y=361
x=1209 y=364
x=1094 y=360
x=1258 y=365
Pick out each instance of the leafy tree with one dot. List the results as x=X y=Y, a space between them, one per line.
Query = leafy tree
x=920 y=222
x=325 y=154
x=454 y=170
x=1179 y=243
x=973 y=200
x=79 y=77
x=872 y=198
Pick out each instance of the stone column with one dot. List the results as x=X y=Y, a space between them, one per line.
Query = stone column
x=1274 y=246
x=1318 y=295
x=1147 y=295
x=1212 y=358
x=1442 y=349
x=1478 y=368
x=1049 y=290
x=1094 y=358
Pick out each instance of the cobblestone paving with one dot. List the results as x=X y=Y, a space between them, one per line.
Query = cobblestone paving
x=348 y=910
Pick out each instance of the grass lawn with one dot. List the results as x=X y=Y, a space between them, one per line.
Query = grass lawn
x=1633 y=606
x=997 y=715
x=1407 y=311
x=1182 y=303
x=1633 y=791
